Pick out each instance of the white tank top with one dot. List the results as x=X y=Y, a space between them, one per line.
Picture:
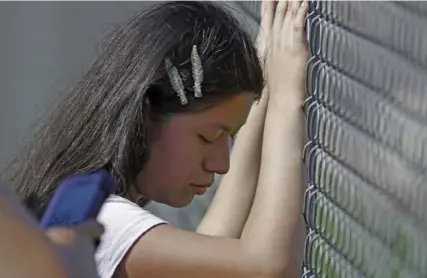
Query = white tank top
x=124 y=223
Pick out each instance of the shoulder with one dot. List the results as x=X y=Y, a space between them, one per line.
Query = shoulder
x=124 y=223
x=118 y=210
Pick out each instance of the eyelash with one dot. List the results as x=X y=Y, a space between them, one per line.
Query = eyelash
x=204 y=140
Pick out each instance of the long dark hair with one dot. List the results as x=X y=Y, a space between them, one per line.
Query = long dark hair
x=101 y=123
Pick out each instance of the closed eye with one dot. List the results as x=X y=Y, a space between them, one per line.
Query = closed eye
x=204 y=140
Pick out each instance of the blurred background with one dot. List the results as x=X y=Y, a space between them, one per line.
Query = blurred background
x=366 y=203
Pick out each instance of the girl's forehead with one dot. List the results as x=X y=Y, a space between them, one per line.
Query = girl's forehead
x=227 y=116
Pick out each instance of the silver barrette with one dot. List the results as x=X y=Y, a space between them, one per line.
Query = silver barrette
x=176 y=81
x=196 y=66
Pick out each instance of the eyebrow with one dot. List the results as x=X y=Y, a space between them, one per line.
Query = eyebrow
x=227 y=128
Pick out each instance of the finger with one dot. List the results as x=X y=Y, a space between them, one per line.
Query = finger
x=268 y=8
x=61 y=236
x=281 y=9
x=91 y=229
x=69 y=235
x=294 y=7
x=301 y=15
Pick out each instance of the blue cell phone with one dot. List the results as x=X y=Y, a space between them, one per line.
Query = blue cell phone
x=78 y=199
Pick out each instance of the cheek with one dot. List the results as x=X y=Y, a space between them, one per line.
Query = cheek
x=173 y=160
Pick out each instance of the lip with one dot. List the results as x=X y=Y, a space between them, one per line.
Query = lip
x=199 y=189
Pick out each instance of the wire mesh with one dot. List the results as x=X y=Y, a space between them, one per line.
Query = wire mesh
x=367 y=199
x=366 y=203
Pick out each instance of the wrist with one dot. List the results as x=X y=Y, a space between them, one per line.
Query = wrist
x=287 y=98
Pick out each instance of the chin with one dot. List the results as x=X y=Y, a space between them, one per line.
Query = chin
x=179 y=203
x=175 y=198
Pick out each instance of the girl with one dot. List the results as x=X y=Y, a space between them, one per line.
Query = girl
x=157 y=109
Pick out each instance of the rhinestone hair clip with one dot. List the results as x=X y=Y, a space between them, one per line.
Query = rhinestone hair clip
x=197 y=69
x=176 y=80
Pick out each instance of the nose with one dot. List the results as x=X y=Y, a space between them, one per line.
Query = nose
x=218 y=160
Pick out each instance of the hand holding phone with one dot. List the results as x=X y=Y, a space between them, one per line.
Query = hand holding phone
x=78 y=199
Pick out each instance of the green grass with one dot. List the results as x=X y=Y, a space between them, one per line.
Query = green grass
x=327 y=221
x=327 y=266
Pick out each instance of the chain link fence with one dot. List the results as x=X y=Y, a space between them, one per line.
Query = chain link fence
x=366 y=109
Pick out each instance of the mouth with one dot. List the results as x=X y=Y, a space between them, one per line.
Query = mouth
x=199 y=189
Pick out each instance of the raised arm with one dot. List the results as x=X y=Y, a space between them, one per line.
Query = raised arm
x=264 y=248
x=277 y=207
x=227 y=214
x=278 y=202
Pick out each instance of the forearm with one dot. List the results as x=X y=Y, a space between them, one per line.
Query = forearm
x=232 y=202
x=277 y=207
